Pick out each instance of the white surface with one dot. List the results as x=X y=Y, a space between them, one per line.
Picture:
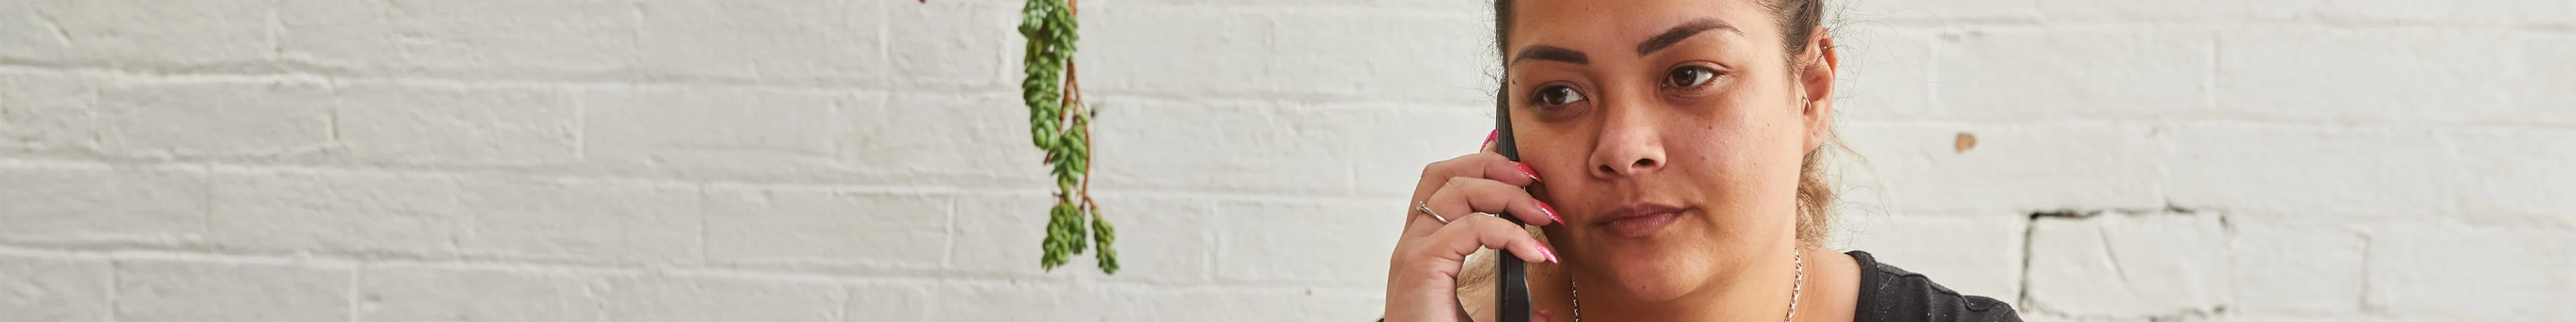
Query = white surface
x=866 y=160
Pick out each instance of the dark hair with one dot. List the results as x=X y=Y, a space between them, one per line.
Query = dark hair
x=1798 y=20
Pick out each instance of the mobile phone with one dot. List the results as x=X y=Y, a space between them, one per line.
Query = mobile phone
x=1512 y=296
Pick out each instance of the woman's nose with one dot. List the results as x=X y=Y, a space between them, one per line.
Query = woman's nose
x=1629 y=145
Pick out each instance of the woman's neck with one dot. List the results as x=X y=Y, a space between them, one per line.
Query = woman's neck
x=1758 y=293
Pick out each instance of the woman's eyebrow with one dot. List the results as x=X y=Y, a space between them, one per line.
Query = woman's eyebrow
x=1545 y=52
x=1683 y=31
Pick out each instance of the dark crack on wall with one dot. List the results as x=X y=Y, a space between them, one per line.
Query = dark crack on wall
x=2030 y=229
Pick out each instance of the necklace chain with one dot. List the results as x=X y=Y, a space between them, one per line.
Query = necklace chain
x=1795 y=286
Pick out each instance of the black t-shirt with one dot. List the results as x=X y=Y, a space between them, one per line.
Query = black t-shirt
x=1888 y=293
x=1892 y=294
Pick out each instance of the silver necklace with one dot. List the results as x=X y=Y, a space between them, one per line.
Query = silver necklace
x=1798 y=258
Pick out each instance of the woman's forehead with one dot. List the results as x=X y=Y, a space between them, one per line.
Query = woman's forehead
x=1594 y=25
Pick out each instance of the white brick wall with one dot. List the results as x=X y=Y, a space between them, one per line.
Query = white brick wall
x=865 y=160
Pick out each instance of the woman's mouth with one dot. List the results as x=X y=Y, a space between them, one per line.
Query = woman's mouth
x=1641 y=219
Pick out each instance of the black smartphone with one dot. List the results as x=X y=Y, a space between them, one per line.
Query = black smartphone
x=1512 y=295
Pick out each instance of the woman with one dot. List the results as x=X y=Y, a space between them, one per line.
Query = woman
x=1670 y=160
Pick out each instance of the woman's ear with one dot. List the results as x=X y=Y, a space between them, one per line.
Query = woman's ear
x=1816 y=67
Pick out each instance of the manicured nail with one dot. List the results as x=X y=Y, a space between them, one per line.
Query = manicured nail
x=1542 y=250
x=1491 y=135
x=1527 y=171
x=1551 y=212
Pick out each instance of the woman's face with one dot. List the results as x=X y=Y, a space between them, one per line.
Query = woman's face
x=1669 y=132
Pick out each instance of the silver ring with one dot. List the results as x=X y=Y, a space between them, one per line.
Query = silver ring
x=1425 y=208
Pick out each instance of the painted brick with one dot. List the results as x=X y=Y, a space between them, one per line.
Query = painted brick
x=766 y=40
x=965 y=43
x=2264 y=170
x=214 y=118
x=2033 y=167
x=1251 y=247
x=2296 y=268
x=476 y=37
x=2464 y=272
x=1404 y=138
x=2127 y=265
x=2542 y=96
x=102 y=204
x=413 y=123
x=1942 y=11
x=888 y=302
x=1232 y=146
x=980 y=137
x=1416 y=57
x=437 y=294
x=584 y=221
x=154 y=291
x=47 y=111
x=1031 y=302
x=2281 y=73
x=139 y=33
x=669 y=298
x=2515 y=177
x=1001 y=233
x=337 y=213
x=2020 y=75
x=1886 y=72
x=55 y=289
x=1171 y=51
x=2463 y=12
x=803 y=226
x=29 y=33
x=1257 y=304
x=1160 y=239
x=2194 y=11
x=710 y=132
x=612 y=160
x=1323 y=4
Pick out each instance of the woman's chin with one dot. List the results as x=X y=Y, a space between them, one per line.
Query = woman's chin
x=1652 y=269
x=1654 y=278
x=1656 y=288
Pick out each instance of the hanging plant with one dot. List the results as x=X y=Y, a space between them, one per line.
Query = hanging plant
x=1061 y=125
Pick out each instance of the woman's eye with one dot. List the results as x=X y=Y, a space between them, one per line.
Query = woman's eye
x=1689 y=76
x=1558 y=95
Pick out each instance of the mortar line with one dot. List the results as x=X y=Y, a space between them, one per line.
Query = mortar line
x=350 y=299
x=115 y=290
x=338 y=262
x=1253 y=195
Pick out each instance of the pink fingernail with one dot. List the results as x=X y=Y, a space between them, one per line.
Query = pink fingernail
x=1542 y=250
x=1491 y=135
x=1527 y=171
x=1551 y=212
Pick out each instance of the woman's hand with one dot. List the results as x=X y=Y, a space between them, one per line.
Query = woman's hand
x=1421 y=285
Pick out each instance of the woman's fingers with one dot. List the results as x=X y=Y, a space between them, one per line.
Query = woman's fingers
x=1423 y=281
x=1483 y=165
x=1464 y=236
x=1421 y=285
x=1487 y=166
x=1464 y=195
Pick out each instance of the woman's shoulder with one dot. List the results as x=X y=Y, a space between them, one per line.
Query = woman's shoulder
x=1888 y=293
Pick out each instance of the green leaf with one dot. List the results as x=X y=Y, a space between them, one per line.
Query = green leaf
x=1049 y=26
x=1104 y=234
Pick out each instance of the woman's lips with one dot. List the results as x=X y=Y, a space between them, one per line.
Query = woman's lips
x=1640 y=219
